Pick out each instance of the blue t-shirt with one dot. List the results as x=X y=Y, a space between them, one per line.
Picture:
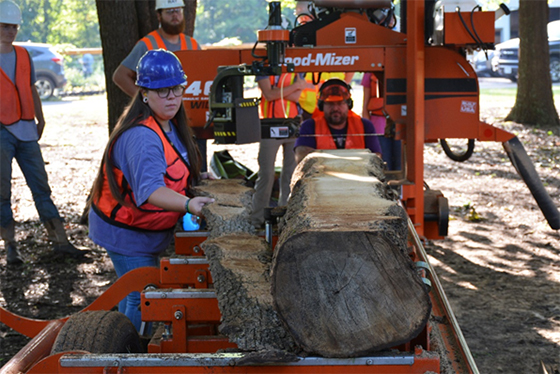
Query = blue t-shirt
x=307 y=130
x=139 y=154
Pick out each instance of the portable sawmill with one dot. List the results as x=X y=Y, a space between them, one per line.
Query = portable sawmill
x=430 y=92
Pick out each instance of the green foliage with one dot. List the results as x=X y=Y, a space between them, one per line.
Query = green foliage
x=470 y=213
x=241 y=19
x=57 y=21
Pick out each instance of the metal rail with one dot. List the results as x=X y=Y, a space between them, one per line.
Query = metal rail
x=448 y=311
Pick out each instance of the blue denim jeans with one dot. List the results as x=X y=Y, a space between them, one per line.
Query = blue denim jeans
x=123 y=264
x=30 y=160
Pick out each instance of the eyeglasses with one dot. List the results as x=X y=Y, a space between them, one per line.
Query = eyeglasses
x=164 y=92
x=172 y=11
x=9 y=26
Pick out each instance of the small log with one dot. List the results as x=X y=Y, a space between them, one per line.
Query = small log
x=240 y=267
x=342 y=280
x=230 y=212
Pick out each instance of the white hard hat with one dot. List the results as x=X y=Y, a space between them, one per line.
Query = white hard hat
x=166 y=4
x=10 y=13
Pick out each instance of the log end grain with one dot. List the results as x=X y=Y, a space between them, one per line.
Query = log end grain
x=347 y=294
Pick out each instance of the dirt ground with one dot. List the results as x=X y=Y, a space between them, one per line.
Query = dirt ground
x=500 y=264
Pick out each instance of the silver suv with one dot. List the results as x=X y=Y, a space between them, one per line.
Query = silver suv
x=49 y=68
x=506 y=57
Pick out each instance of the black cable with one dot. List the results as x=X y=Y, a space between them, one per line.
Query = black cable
x=465 y=25
x=478 y=40
x=253 y=52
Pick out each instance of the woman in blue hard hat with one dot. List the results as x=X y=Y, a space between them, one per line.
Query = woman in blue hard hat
x=151 y=160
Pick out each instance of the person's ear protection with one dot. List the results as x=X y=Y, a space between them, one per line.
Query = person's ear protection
x=334 y=82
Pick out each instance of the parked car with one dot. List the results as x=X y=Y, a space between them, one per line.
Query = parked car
x=49 y=68
x=506 y=56
x=482 y=65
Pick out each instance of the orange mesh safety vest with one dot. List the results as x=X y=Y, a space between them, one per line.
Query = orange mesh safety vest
x=154 y=40
x=274 y=108
x=355 y=126
x=17 y=99
x=147 y=216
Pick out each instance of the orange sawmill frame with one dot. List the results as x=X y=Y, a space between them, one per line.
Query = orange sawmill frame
x=409 y=69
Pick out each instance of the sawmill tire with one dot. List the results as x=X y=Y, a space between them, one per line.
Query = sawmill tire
x=98 y=331
x=461 y=156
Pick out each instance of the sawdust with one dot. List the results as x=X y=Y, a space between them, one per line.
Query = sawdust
x=500 y=265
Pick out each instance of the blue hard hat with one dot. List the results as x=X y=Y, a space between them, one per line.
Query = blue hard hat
x=158 y=69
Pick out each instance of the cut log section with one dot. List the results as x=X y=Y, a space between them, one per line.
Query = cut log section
x=230 y=212
x=240 y=267
x=342 y=281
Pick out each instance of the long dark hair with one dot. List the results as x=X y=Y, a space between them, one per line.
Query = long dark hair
x=136 y=112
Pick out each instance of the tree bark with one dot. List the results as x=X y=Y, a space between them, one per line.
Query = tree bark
x=342 y=280
x=240 y=265
x=230 y=212
x=118 y=27
x=534 y=104
x=190 y=16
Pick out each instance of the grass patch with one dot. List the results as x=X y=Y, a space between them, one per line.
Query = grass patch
x=505 y=97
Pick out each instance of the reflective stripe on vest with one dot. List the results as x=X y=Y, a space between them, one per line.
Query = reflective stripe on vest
x=147 y=216
x=154 y=40
x=273 y=109
x=355 y=126
x=17 y=99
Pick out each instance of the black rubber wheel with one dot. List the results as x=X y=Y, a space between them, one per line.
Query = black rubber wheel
x=458 y=153
x=98 y=331
x=45 y=87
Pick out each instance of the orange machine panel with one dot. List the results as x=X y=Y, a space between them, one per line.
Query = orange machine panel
x=354 y=29
x=455 y=32
x=201 y=68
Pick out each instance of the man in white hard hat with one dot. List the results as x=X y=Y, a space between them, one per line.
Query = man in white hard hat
x=168 y=36
x=19 y=138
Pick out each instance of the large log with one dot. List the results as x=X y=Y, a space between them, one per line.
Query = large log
x=342 y=280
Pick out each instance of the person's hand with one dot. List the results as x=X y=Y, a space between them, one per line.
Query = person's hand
x=197 y=203
x=40 y=128
x=206 y=175
x=300 y=82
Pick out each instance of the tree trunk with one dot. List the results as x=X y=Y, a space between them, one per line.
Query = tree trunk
x=534 y=104
x=342 y=283
x=121 y=25
x=342 y=280
x=190 y=16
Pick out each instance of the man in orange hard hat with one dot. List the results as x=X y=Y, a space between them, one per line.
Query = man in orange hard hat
x=337 y=127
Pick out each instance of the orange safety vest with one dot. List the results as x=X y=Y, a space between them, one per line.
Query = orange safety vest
x=154 y=40
x=355 y=126
x=17 y=99
x=147 y=216
x=274 y=108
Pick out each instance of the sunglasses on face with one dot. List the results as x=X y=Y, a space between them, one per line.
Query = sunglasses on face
x=173 y=11
x=164 y=92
